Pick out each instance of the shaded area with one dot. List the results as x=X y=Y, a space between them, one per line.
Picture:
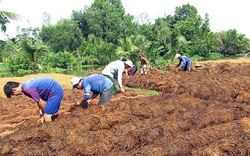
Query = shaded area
x=202 y=112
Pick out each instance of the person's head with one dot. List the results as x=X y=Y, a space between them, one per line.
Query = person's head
x=177 y=56
x=12 y=88
x=75 y=82
x=140 y=56
x=128 y=64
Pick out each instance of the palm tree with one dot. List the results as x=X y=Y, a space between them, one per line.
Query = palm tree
x=5 y=18
x=126 y=47
x=95 y=48
x=177 y=41
x=10 y=50
x=231 y=43
x=33 y=51
x=131 y=46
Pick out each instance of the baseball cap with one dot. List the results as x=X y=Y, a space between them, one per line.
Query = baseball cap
x=75 y=80
x=129 y=63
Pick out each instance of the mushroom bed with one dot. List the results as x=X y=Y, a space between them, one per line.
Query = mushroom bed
x=202 y=112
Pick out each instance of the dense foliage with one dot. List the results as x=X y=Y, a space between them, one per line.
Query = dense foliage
x=102 y=32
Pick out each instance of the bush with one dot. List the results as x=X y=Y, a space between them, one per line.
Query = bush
x=62 y=60
x=160 y=61
x=215 y=56
x=18 y=63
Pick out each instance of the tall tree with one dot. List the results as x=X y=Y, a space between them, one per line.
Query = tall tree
x=107 y=19
x=95 y=50
x=46 y=19
x=177 y=42
x=183 y=12
x=81 y=21
x=200 y=40
x=64 y=36
x=232 y=43
x=162 y=35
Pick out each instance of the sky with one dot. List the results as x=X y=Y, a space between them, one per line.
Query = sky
x=223 y=14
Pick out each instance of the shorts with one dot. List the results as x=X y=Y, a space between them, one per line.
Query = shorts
x=53 y=104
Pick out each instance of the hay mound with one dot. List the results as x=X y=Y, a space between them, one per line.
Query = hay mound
x=202 y=112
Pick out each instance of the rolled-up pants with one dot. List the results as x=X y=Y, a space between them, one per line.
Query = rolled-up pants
x=144 y=69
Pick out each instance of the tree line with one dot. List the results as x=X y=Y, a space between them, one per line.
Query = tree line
x=102 y=32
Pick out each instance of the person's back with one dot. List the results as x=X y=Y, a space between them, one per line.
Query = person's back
x=186 y=59
x=44 y=86
x=114 y=68
x=143 y=60
x=96 y=83
x=45 y=91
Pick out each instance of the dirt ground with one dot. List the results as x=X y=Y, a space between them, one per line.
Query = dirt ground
x=202 y=112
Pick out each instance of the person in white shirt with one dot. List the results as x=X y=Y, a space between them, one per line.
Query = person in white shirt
x=115 y=69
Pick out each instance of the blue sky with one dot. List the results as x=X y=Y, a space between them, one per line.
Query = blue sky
x=223 y=14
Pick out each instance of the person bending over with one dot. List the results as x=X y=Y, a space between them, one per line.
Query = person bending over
x=186 y=62
x=96 y=83
x=45 y=91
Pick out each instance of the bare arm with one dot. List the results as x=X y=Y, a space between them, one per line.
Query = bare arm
x=43 y=117
x=41 y=104
x=83 y=101
x=94 y=95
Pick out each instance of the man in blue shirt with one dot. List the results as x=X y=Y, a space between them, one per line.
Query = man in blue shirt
x=96 y=83
x=45 y=91
x=186 y=62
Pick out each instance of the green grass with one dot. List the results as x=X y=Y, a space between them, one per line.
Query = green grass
x=162 y=71
x=149 y=92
